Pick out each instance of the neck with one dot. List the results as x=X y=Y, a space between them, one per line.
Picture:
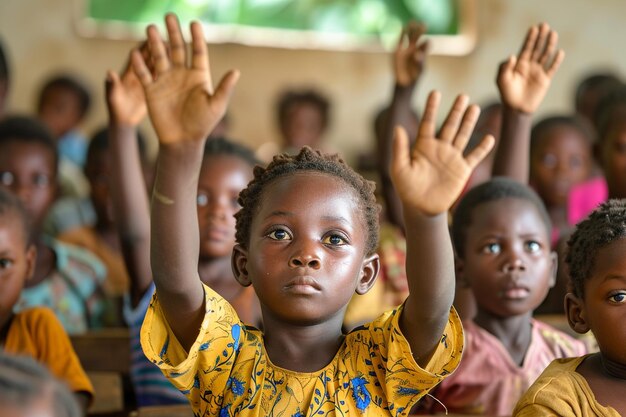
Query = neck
x=302 y=348
x=513 y=332
x=558 y=215
x=5 y=323
x=217 y=273
x=612 y=368
x=45 y=263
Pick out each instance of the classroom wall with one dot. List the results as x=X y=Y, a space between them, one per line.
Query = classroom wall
x=40 y=37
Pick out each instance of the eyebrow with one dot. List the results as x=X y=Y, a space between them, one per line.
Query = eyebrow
x=279 y=213
x=614 y=277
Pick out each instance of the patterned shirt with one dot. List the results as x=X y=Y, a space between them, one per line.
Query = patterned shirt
x=227 y=371
x=73 y=290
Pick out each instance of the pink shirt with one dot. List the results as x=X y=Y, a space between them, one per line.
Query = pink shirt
x=488 y=382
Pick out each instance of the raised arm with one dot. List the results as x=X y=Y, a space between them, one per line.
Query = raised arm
x=408 y=65
x=184 y=109
x=126 y=104
x=523 y=82
x=429 y=178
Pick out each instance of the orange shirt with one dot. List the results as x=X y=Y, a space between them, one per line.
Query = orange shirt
x=38 y=333
x=117 y=280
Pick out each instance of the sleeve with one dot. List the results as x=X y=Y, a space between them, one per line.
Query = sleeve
x=404 y=382
x=57 y=353
x=214 y=352
x=535 y=410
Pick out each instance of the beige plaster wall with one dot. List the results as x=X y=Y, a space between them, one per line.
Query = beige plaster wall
x=41 y=39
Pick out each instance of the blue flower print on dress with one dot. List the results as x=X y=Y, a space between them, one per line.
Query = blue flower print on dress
x=297 y=414
x=235 y=332
x=236 y=386
x=224 y=411
x=360 y=393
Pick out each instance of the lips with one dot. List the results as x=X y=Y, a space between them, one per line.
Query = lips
x=303 y=285
x=515 y=291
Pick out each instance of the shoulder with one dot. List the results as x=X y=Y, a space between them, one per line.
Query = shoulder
x=554 y=389
x=82 y=236
x=36 y=317
x=73 y=259
x=560 y=343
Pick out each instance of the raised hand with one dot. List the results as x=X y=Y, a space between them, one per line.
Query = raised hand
x=126 y=101
x=430 y=177
x=524 y=80
x=409 y=57
x=181 y=101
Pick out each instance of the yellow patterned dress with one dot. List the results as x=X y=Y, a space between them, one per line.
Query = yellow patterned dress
x=228 y=373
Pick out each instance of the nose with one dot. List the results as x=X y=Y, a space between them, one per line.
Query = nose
x=305 y=257
x=513 y=263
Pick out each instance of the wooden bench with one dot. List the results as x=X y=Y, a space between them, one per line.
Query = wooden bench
x=105 y=356
x=164 y=411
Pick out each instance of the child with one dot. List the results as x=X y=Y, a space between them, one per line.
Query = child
x=560 y=158
x=591 y=385
x=226 y=169
x=102 y=238
x=66 y=279
x=34 y=332
x=306 y=236
x=591 y=90
x=303 y=117
x=501 y=235
x=62 y=105
x=29 y=390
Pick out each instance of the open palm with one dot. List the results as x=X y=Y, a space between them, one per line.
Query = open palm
x=430 y=177
x=409 y=56
x=182 y=104
x=524 y=80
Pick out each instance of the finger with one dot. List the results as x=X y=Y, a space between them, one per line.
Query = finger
x=415 y=31
x=200 y=52
x=467 y=127
x=225 y=88
x=176 y=41
x=158 y=53
x=480 y=152
x=111 y=80
x=558 y=59
x=529 y=44
x=401 y=39
x=506 y=67
x=548 y=52
x=542 y=41
x=427 y=124
x=140 y=68
x=401 y=155
x=451 y=125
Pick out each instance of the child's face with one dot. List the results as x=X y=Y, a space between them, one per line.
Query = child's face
x=17 y=260
x=613 y=159
x=507 y=260
x=562 y=160
x=604 y=304
x=306 y=254
x=303 y=125
x=60 y=110
x=27 y=170
x=221 y=180
x=97 y=171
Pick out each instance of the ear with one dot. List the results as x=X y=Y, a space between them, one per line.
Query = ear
x=369 y=272
x=238 y=261
x=554 y=260
x=576 y=315
x=31 y=261
x=459 y=270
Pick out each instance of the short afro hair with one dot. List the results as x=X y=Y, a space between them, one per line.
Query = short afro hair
x=24 y=129
x=290 y=98
x=602 y=227
x=537 y=134
x=497 y=188
x=603 y=82
x=66 y=82
x=10 y=204
x=23 y=382
x=223 y=146
x=307 y=160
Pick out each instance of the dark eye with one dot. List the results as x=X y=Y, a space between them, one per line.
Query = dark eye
x=5 y=263
x=334 y=240
x=41 y=180
x=549 y=160
x=493 y=248
x=7 y=178
x=279 y=234
x=202 y=200
x=532 y=246
x=618 y=298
